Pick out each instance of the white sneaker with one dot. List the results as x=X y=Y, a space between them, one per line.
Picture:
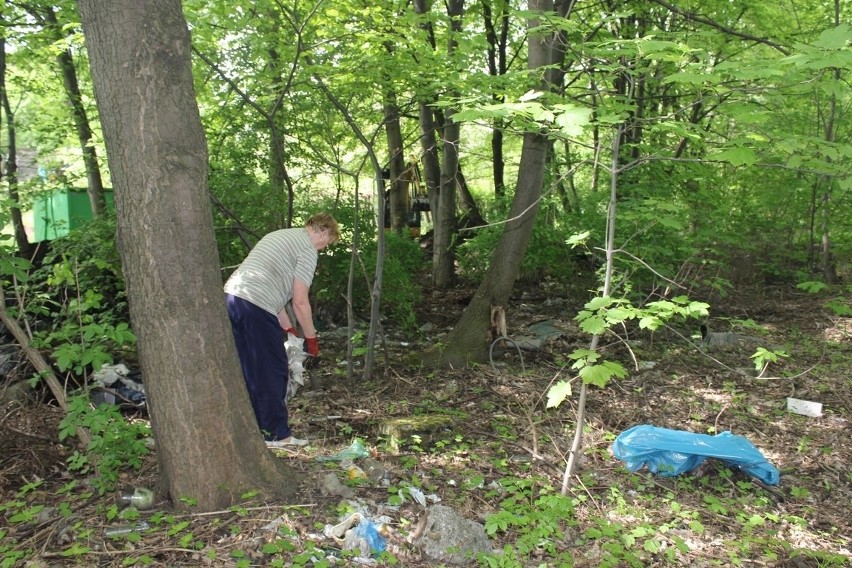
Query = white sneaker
x=288 y=442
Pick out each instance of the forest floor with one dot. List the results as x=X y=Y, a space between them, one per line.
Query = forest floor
x=500 y=462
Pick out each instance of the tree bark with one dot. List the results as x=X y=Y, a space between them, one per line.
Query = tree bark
x=396 y=160
x=428 y=129
x=443 y=254
x=497 y=44
x=208 y=444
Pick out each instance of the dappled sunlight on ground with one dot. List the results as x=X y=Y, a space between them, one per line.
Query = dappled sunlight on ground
x=503 y=438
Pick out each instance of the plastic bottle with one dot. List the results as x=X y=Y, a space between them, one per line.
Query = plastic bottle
x=140 y=497
x=375 y=470
x=127 y=529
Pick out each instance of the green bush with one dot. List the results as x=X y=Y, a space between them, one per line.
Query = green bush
x=547 y=255
x=84 y=262
x=116 y=444
x=78 y=302
x=403 y=264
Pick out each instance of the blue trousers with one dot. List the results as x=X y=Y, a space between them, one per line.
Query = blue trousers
x=260 y=345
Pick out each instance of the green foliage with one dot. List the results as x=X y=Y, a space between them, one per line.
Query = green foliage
x=534 y=518
x=763 y=357
x=85 y=261
x=77 y=299
x=79 y=290
x=602 y=313
x=116 y=443
x=839 y=304
x=403 y=265
x=548 y=256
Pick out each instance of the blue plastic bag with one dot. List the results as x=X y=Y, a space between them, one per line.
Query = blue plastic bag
x=671 y=452
x=370 y=533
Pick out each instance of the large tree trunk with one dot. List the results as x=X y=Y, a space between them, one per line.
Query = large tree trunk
x=208 y=445
x=469 y=340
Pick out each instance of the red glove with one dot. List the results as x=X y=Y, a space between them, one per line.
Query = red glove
x=290 y=330
x=312 y=346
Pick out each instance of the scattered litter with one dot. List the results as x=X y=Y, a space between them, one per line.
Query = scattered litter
x=140 y=497
x=726 y=340
x=364 y=537
x=546 y=330
x=296 y=359
x=274 y=524
x=672 y=452
x=356 y=450
x=376 y=471
x=352 y=470
x=804 y=407
x=127 y=529
x=331 y=486
x=116 y=384
x=420 y=497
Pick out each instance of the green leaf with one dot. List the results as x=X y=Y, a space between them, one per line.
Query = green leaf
x=736 y=156
x=578 y=239
x=558 y=393
x=691 y=78
x=600 y=375
x=583 y=354
x=594 y=325
x=836 y=38
x=75 y=549
x=570 y=119
x=530 y=96
x=812 y=287
x=599 y=303
x=618 y=315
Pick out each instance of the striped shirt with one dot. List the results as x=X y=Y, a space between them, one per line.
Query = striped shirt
x=265 y=278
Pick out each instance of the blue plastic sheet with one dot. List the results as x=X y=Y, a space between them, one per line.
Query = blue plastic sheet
x=671 y=452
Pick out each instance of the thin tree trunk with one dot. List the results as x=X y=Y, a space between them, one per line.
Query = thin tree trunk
x=428 y=128
x=94 y=180
x=396 y=161
x=443 y=254
x=577 y=443
x=497 y=45
x=467 y=342
x=25 y=248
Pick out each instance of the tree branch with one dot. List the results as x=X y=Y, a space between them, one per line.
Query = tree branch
x=720 y=27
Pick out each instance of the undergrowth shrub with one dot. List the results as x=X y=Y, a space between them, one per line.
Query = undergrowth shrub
x=548 y=256
x=116 y=445
x=403 y=264
x=84 y=261
x=535 y=518
x=77 y=301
